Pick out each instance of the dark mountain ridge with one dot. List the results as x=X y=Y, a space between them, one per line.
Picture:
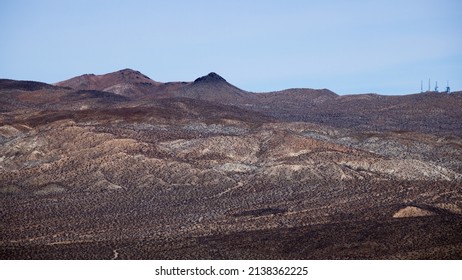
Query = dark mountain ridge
x=214 y=88
x=212 y=77
x=7 y=84
x=426 y=112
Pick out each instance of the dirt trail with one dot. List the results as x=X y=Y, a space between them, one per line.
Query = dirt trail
x=116 y=254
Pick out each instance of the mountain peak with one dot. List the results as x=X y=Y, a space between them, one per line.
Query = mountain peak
x=210 y=78
x=130 y=73
x=127 y=82
x=127 y=70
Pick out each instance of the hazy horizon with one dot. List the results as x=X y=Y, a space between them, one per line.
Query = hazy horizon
x=384 y=47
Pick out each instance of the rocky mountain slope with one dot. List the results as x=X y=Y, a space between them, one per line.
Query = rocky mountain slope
x=85 y=173
x=126 y=82
x=428 y=112
x=214 y=88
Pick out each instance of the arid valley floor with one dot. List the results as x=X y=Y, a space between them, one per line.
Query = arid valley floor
x=119 y=166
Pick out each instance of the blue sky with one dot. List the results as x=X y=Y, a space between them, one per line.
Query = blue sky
x=386 y=47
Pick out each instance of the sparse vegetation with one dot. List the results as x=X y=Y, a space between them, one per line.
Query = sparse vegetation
x=84 y=172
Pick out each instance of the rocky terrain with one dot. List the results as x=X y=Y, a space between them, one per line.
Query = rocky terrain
x=120 y=166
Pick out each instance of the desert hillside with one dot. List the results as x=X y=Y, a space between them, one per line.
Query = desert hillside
x=120 y=166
